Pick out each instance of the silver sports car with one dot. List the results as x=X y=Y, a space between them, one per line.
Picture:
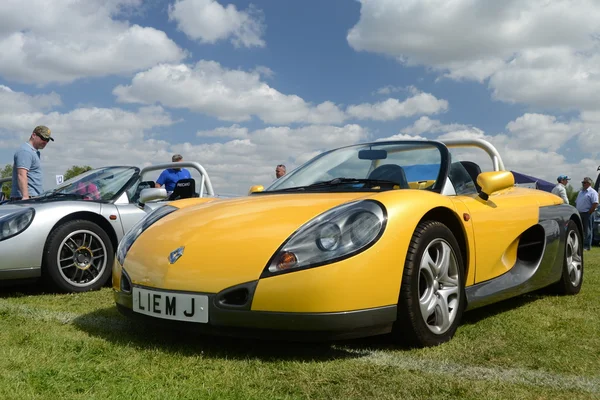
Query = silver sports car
x=69 y=235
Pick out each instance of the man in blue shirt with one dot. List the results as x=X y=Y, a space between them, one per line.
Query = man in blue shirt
x=586 y=203
x=169 y=177
x=27 y=167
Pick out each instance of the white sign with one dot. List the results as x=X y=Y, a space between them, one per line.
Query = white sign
x=59 y=179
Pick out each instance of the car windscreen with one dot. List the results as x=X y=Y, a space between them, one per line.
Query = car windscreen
x=368 y=167
x=101 y=184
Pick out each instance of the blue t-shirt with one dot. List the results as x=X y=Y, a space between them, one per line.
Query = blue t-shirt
x=169 y=177
x=29 y=158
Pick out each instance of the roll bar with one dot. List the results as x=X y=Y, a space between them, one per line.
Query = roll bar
x=481 y=144
x=181 y=164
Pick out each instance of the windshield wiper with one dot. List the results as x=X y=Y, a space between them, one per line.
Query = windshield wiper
x=343 y=181
x=62 y=195
x=338 y=182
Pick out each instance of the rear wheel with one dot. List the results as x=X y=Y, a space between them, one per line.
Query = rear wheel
x=432 y=294
x=78 y=257
x=572 y=273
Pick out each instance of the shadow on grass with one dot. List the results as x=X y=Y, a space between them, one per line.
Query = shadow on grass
x=110 y=325
x=22 y=288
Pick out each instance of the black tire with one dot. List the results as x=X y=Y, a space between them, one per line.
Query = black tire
x=419 y=285
x=78 y=257
x=571 y=278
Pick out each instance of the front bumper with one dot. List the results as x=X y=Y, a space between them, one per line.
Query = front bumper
x=240 y=320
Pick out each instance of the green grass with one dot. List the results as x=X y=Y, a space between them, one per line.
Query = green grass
x=78 y=347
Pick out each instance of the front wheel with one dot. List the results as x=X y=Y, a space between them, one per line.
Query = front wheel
x=432 y=295
x=78 y=257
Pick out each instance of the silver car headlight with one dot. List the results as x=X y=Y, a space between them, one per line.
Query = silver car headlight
x=15 y=223
x=334 y=235
x=143 y=224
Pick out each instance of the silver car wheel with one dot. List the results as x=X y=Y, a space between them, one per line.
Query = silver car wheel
x=439 y=295
x=82 y=258
x=574 y=262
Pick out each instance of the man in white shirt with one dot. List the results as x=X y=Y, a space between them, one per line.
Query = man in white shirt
x=560 y=189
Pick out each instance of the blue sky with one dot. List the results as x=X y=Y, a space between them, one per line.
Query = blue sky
x=241 y=86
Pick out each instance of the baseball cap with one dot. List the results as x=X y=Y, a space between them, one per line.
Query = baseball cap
x=176 y=157
x=561 y=177
x=43 y=131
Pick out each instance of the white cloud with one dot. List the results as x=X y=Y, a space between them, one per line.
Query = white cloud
x=426 y=124
x=390 y=109
x=538 y=131
x=234 y=131
x=230 y=95
x=18 y=102
x=208 y=22
x=538 y=52
x=236 y=95
x=44 y=41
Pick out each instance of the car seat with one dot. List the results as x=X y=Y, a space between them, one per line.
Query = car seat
x=184 y=189
x=390 y=172
x=474 y=170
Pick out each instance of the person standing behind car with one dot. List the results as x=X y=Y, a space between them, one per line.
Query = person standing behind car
x=27 y=166
x=586 y=203
x=280 y=171
x=169 y=177
x=560 y=189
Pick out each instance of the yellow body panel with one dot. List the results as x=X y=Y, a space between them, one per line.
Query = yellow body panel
x=498 y=223
x=229 y=242
x=461 y=209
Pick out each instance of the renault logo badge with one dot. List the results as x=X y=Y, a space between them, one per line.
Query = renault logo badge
x=176 y=255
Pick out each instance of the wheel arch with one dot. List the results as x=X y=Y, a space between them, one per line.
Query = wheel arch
x=449 y=218
x=92 y=217
x=577 y=219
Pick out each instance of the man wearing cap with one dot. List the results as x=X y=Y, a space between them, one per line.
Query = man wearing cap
x=27 y=167
x=560 y=189
x=586 y=203
x=169 y=177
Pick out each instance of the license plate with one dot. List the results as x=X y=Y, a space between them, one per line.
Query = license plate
x=170 y=305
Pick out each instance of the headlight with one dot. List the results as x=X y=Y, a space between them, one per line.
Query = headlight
x=131 y=236
x=13 y=224
x=332 y=236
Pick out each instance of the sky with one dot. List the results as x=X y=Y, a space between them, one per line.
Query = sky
x=241 y=86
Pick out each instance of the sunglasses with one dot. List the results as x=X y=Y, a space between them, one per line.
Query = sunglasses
x=43 y=138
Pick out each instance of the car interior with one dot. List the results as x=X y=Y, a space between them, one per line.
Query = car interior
x=390 y=172
x=473 y=170
x=184 y=189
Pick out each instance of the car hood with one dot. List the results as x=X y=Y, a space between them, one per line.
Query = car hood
x=225 y=242
x=7 y=209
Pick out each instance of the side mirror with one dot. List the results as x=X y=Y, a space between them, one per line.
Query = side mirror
x=491 y=182
x=256 y=189
x=150 y=194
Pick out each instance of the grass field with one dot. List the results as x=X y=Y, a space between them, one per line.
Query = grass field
x=78 y=347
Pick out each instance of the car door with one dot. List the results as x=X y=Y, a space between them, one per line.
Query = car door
x=496 y=224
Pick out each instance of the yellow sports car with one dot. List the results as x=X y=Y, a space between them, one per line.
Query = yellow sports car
x=391 y=236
